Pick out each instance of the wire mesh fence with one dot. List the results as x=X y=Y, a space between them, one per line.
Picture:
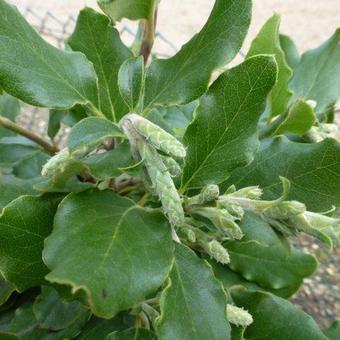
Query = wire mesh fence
x=53 y=29
x=56 y=30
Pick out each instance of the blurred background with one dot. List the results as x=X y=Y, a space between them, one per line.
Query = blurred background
x=308 y=22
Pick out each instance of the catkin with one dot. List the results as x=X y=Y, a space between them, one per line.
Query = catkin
x=163 y=185
x=156 y=136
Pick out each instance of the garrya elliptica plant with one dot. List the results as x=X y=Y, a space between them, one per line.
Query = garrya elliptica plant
x=170 y=211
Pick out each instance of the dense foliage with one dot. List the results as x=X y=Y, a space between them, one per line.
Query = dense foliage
x=169 y=213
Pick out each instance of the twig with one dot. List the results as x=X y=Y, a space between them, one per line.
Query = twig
x=148 y=28
x=119 y=187
x=143 y=200
x=8 y=124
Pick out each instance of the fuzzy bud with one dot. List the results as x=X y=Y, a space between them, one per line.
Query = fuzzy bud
x=238 y=316
x=61 y=167
x=172 y=166
x=221 y=219
x=233 y=208
x=55 y=163
x=217 y=251
x=208 y=194
x=285 y=210
x=252 y=193
x=321 y=132
x=189 y=234
x=312 y=103
x=324 y=228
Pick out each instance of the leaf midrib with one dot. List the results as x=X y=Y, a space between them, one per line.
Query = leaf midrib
x=225 y=131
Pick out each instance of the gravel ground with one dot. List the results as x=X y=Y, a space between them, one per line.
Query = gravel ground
x=309 y=22
x=320 y=294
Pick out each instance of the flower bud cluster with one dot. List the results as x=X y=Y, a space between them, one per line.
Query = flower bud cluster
x=222 y=225
x=288 y=217
x=238 y=316
x=225 y=211
x=322 y=131
x=223 y=216
x=216 y=251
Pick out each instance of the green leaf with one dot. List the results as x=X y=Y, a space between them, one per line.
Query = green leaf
x=15 y=149
x=24 y=224
x=290 y=50
x=12 y=187
x=312 y=169
x=110 y=164
x=54 y=122
x=128 y=250
x=132 y=334
x=131 y=81
x=317 y=77
x=298 y=120
x=185 y=76
x=268 y=41
x=54 y=314
x=5 y=319
x=90 y=133
x=62 y=168
x=193 y=305
x=75 y=115
x=8 y=336
x=173 y=119
x=68 y=117
x=25 y=326
x=9 y=108
x=333 y=332
x=38 y=73
x=73 y=184
x=130 y=9
x=230 y=278
x=223 y=135
x=275 y=318
x=98 y=328
x=6 y=289
x=261 y=256
x=31 y=166
x=100 y=42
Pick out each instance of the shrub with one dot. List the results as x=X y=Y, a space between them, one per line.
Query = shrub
x=170 y=210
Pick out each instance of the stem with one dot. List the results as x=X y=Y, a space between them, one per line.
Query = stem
x=143 y=200
x=122 y=186
x=271 y=128
x=95 y=110
x=148 y=28
x=8 y=124
x=152 y=301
